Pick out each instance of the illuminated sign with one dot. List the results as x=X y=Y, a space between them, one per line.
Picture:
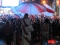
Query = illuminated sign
x=51 y=41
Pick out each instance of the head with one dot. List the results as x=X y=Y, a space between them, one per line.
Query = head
x=56 y=20
x=42 y=15
x=25 y=15
x=46 y=20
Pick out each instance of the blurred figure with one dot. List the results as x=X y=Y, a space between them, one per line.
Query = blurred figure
x=8 y=32
x=42 y=18
x=55 y=28
x=26 y=30
x=46 y=31
x=36 y=33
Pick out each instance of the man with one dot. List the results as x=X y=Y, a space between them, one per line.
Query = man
x=26 y=30
x=46 y=31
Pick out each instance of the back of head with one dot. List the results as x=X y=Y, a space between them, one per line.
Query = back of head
x=46 y=20
x=25 y=15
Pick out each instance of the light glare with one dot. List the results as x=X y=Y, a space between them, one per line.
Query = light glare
x=10 y=2
x=44 y=2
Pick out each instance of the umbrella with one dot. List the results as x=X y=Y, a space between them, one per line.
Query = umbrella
x=49 y=8
x=47 y=13
x=30 y=8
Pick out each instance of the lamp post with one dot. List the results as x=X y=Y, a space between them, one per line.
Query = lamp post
x=58 y=5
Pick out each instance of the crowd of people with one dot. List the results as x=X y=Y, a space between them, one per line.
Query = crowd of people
x=10 y=26
x=29 y=29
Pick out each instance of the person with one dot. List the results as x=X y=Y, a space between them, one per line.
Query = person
x=46 y=31
x=36 y=32
x=26 y=30
x=55 y=28
x=8 y=33
x=42 y=18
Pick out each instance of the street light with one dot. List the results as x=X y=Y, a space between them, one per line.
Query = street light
x=57 y=3
x=43 y=2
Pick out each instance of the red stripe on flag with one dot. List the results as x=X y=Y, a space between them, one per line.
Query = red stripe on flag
x=39 y=8
x=49 y=10
x=24 y=8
